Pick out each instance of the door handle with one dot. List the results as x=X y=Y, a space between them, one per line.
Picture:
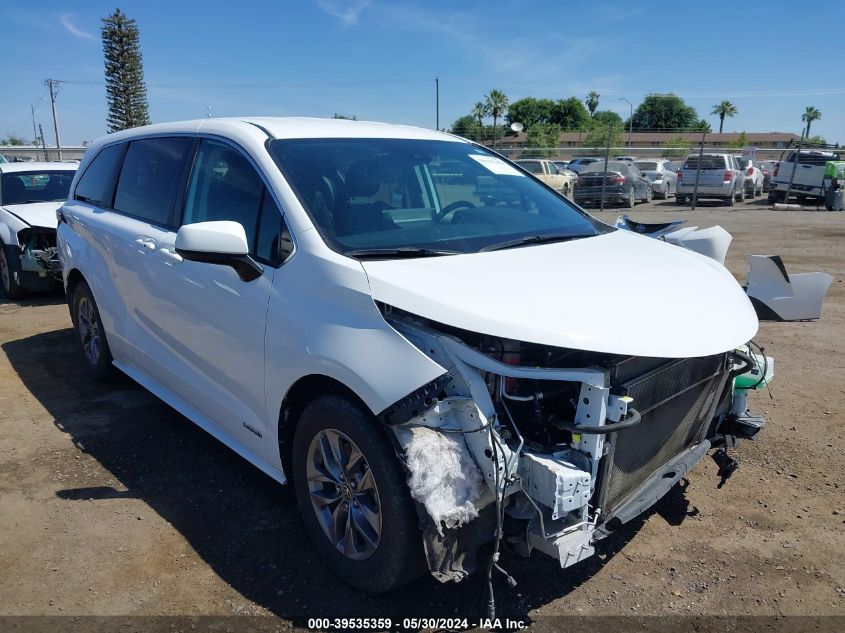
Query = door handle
x=146 y=242
x=172 y=257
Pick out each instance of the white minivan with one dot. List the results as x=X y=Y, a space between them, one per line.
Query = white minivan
x=437 y=349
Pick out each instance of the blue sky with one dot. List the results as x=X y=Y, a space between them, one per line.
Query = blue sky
x=378 y=59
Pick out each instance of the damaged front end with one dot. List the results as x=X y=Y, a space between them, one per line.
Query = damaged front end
x=39 y=267
x=552 y=449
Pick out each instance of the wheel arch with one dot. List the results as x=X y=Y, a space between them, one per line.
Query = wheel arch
x=300 y=394
x=73 y=279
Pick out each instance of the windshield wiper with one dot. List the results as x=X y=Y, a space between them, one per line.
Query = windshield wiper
x=396 y=253
x=534 y=239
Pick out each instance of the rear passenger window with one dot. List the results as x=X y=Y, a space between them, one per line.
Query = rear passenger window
x=95 y=184
x=223 y=186
x=150 y=177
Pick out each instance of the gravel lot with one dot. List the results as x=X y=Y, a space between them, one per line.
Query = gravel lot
x=114 y=504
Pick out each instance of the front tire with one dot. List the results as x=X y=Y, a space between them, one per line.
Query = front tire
x=11 y=288
x=91 y=334
x=353 y=497
x=632 y=199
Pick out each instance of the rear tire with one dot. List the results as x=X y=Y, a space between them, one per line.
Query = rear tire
x=730 y=200
x=740 y=197
x=381 y=540
x=8 y=268
x=91 y=334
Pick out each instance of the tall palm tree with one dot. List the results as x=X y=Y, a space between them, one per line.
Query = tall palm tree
x=479 y=111
x=592 y=102
x=726 y=108
x=810 y=114
x=497 y=105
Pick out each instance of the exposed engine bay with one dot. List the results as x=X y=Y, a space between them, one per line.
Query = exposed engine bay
x=39 y=259
x=537 y=447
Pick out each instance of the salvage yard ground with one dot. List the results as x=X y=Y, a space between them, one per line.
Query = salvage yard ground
x=112 y=503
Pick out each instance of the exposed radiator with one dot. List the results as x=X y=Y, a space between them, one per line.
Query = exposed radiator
x=676 y=400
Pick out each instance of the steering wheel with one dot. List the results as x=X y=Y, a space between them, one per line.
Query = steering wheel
x=458 y=204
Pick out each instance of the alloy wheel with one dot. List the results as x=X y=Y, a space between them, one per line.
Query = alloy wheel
x=4 y=272
x=344 y=494
x=89 y=330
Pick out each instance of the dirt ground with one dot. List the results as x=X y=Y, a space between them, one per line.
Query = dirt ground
x=111 y=503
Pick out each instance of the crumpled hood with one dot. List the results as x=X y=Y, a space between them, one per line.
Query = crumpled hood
x=619 y=293
x=36 y=213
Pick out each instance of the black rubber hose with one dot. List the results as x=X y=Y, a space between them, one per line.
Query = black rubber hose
x=745 y=358
x=632 y=419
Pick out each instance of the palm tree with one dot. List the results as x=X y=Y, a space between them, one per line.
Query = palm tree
x=592 y=102
x=479 y=111
x=496 y=104
x=726 y=108
x=810 y=114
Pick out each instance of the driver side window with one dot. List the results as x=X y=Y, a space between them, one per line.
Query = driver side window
x=223 y=186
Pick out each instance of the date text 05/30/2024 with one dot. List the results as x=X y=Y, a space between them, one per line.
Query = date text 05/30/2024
x=386 y=624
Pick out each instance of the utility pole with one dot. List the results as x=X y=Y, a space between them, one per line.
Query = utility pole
x=794 y=169
x=437 y=101
x=34 y=131
x=53 y=85
x=43 y=143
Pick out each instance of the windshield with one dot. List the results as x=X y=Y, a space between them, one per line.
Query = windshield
x=438 y=196
x=22 y=187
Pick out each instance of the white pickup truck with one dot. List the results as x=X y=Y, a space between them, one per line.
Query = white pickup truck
x=547 y=171
x=809 y=178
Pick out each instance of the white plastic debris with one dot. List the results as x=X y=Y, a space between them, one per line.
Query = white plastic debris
x=443 y=476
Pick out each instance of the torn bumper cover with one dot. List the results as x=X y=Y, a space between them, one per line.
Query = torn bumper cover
x=564 y=456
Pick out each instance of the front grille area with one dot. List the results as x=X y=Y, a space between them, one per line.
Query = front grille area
x=676 y=401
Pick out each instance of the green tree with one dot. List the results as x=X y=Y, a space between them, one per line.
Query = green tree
x=479 y=111
x=13 y=139
x=810 y=114
x=125 y=90
x=676 y=146
x=724 y=109
x=592 y=102
x=543 y=135
x=740 y=142
x=465 y=126
x=667 y=112
x=529 y=111
x=496 y=104
x=570 y=114
x=815 y=140
x=606 y=117
x=604 y=135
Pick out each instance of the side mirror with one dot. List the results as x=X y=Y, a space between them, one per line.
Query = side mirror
x=222 y=242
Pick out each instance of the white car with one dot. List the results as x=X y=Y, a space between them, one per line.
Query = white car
x=753 y=177
x=30 y=193
x=808 y=180
x=306 y=292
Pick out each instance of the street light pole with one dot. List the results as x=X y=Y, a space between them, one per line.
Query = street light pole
x=630 y=120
